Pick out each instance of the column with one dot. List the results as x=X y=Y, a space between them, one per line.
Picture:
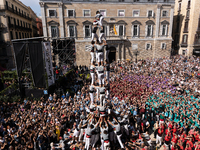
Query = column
x=123 y=51
x=62 y=32
x=119 y=51
x=171 y=20
x=157 y=20
x=43 y=19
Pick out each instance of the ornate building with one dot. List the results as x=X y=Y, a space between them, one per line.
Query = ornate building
x=186 y=31
x=17 y=21
x=144 y=27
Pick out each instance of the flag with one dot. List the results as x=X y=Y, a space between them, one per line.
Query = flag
x=115 y=30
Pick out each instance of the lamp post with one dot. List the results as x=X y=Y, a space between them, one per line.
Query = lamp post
x=136 y=53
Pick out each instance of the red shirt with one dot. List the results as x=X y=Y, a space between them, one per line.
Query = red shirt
x=174 y=139
x=190 y=143
x=167 y=138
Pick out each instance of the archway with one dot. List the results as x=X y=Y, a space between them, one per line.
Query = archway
x=112 y=54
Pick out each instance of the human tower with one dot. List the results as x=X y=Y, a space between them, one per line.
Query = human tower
x=100 y=123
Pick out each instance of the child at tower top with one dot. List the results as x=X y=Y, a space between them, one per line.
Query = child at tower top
x=99 y=17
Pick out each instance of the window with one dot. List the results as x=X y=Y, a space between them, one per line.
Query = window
x=163 y=45
x=188 y=14
x=185 y=37
x=135 y=30
x=71 y=13
x=148 y=46
x=9 y=22
x=188 y=6
x=87 y=31
x=11 y=35
x=186 y=27
x=179 y=7
x=18 y=22
x=54 y=31
x=136 y=0
x=14 y=21
x=136 y=13
x=19 y=10
x=21 y=23
x=20 y=36
x=150 y=0
x=103 y=12
x=24 y=13
x=16 y=8
x=52 y=13
x=164 y=30
x=16 y=34
x=149 y=30
x=150 y=13
x=164 y=13
x=12 y=7
x=6 y=4
x=121 y=0
x=121 y=13
x=86 y=13
x=71 y=31
x=121 y=30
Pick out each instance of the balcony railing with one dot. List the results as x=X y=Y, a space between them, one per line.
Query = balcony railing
x=4 y=7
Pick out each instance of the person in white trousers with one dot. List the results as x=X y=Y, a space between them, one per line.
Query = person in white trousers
x=117 y=131
x=107 y=53
x=107 y=70
x=159 y=136
x=92 y=53
x=101 y=75
x=99 y=18
x=100 y=50
x=102 y=35
x=92 y=74
x=94 y=30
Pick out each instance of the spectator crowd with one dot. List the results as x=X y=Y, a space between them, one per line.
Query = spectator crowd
x=158 y=97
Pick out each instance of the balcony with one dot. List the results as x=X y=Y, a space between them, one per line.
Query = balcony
x=4 y=7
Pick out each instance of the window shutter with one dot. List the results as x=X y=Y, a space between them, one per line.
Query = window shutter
x=146 y=47
x=57 y=31
x=74 y=13
x=138 y=30
x=132 y=30
x=84 y=31
x=161 y=28
x=75 y=30
x=150 y=47
x=55 y=13
x=124 y=32
x=90 y=30
x=50 y=32
x=146 y=30
x=166 y=30
x=152 y=30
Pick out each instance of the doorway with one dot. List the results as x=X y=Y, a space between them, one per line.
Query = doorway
x=112 y=54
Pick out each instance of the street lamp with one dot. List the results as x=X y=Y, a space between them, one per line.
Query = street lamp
x=136 y=53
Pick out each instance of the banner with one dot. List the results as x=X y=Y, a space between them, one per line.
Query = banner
x=48 y=60
x=19 y=50
x=36 y=62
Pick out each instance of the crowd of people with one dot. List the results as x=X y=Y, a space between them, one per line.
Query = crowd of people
x=116 y=110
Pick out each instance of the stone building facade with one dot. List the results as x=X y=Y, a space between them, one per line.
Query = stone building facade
x=17 y=21
x=144 y=27
x=186 y=31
